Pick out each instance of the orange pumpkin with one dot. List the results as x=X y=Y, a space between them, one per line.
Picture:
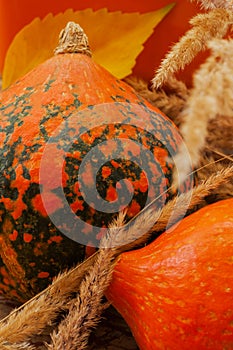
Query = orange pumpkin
x=41 y=186
x=176 y=293
x=15 y=14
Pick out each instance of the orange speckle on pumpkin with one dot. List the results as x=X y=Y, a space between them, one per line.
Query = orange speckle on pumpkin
x=6 y=276
x=65 y=178
x=6 y=281
x=130 y=131
x=143 y=183
x=3 y=271
x=99 y=130
x=77 y=189
x=52 y=203
x=13 y=236
x=32 y=264
x=89 y=139
x=19 y=206
x=8 y=203
x=56 y=239
x=51 y=122
x=7 y=226
x=20 y=182
x=134 y=208
x=33 y=165
x=27 y=237
x=115 y=164
x=111 y=131
x=38 y=249
x=106 y=171
x=160 y=155
x=75 y=154
x=2 y=138
x=77 y=205
x=38 y=205
x=111 y=194
x=43 y=274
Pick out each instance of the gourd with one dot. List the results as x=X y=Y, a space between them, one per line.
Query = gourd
x=176 y=292
x=14 y=17
x=49 y=121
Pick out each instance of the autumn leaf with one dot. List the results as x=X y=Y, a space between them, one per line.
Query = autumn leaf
x=115 y=38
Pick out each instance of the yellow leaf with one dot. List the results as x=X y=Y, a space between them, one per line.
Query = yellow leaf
x=116 y=39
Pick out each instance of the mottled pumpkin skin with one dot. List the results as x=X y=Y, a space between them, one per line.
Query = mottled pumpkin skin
x=33 y=250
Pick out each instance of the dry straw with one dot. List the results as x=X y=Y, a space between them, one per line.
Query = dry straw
x=212 y=25
x=33 y=317
x=85 y=310
x=211 y=95
x=171 y=99
x=209 y=98
x=21 y=346
x=211 y=4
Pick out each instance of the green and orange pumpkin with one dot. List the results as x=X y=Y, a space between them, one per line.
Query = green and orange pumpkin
x=41 y=116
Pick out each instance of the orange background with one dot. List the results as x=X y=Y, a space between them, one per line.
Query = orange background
x=14 y=14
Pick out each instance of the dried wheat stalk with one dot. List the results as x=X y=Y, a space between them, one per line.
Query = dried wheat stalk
x=214 y=24
x=21 y=346
x=227 y=157
x=85 y=310
x=219 y=137
x=209 y=98
x=32 y=317
x=170 y=100
x=212 y=4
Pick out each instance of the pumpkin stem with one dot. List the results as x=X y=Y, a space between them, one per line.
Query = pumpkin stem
x=72 y=39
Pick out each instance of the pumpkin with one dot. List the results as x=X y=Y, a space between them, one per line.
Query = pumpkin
x=50 y=120
x=14 y=16
x=176 y=292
